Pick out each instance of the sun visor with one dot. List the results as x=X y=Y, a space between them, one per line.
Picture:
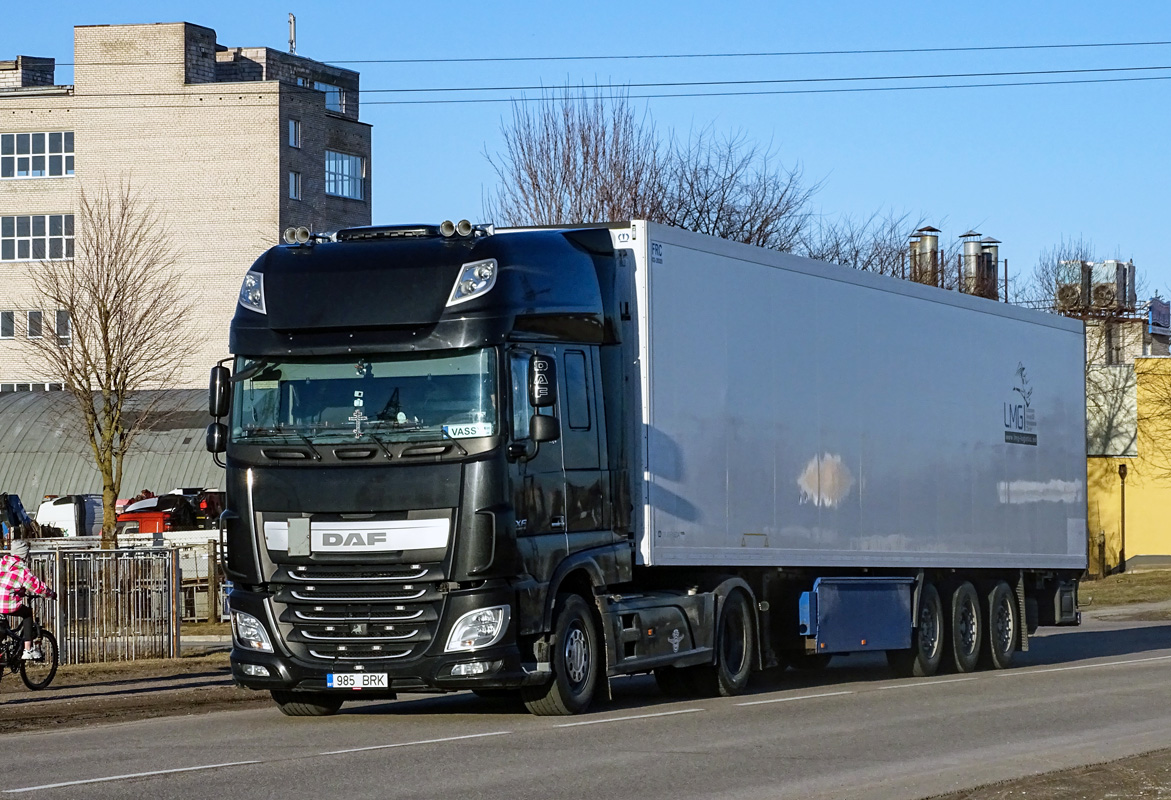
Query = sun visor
x=353 y=285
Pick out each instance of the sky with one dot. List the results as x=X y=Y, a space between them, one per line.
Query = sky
x=1029 y=165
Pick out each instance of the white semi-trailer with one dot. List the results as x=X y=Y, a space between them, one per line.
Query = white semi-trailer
x=536 y=459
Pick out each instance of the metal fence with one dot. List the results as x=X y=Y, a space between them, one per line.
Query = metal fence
x=112 y=605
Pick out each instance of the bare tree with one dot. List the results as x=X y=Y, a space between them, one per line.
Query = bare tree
x=730 y=187
x=875 y=244
x=126 y=328
x=575 y=158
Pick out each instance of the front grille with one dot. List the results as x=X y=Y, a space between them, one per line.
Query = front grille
x=361 y=614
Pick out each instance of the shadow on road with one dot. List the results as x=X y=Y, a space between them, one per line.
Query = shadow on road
x=640 y=693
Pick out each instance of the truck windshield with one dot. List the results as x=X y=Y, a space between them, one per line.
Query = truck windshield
x=388 y=398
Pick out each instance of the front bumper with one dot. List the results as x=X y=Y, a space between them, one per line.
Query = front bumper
x=430 y=671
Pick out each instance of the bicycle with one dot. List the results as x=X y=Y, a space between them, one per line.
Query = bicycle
x=36 y=673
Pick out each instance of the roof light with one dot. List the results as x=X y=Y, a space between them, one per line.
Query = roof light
x=475 y=279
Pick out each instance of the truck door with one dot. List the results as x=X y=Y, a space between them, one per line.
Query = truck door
x=584 y=499
x=539 y=483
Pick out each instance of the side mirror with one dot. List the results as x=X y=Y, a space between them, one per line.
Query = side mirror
x=542 y=381
x=217 y=437
x=544 y=428
x=219 y=392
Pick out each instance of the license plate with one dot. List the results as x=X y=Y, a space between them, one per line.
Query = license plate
x=356 y=680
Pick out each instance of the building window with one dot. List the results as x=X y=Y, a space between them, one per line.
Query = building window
x=344 y=174
x=64 y=328
x=335 y=96
x=294 y=185
x=36 y=155
x=39 y=237
x=7 y=324
x=34 y=324
x=294 y=133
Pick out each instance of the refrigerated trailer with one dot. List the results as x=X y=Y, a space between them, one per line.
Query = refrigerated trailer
x=533 y=460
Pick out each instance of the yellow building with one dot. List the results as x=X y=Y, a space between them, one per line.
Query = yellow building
x=1130 y=426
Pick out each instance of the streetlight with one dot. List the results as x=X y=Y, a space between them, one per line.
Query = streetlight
x=1122 y=545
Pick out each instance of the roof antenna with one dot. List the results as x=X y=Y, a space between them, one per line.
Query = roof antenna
x=292 y=33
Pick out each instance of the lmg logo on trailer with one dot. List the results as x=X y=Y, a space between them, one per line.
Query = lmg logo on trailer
x=1020 y=418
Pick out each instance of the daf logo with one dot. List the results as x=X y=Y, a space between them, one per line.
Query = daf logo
x=675 y=639
x=356 y=539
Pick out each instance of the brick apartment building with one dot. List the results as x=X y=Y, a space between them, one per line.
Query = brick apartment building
x=233 y=145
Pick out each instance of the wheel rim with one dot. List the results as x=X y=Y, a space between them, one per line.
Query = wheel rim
x=577 y=655
x=1003 y=627
x=734 y=646
x=969 y=633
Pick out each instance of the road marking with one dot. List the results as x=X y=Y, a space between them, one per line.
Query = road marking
x=791 y=699
x=926 y=683
x=411 y=744
x=127 y=777
x=1081 y=666
x=623 y=719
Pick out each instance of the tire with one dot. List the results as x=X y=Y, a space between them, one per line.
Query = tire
x=307 y=704
x=923 y=658
x=810 y=662
x=39 y=674
x=735 y=651
x=576 y=654
x=1002 y=629
x=965 y=628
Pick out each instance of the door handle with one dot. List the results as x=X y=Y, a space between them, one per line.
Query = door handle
x=558 y=523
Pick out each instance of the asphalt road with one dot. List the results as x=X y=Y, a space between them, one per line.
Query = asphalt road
x=1079 y=696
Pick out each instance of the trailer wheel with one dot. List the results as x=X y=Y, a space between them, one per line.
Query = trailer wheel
x=735 y=650
x=1003 y=628
x=922 y=660
x=966 y=629
x=575 y=662
x=307 y=704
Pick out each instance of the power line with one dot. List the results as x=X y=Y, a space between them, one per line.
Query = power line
x=883 y=51
x=760 y=93
x=193 y=92
x=769 y=81
x=653 y=56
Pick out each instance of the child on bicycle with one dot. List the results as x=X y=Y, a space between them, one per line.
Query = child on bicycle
x=15 y=580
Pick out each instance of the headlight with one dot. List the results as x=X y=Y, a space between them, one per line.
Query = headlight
x=474 y=280
x=249 y=633
x=252 y=292
x=478 y=629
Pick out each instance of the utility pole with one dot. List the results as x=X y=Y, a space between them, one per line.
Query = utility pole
x=1122 y=545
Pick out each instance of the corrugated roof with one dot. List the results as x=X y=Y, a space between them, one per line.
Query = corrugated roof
x=44 y=451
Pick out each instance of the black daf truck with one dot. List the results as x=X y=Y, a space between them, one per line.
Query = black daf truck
x=527 y=461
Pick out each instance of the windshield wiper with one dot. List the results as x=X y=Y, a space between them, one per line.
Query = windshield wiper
x=309 y=443
x=381 y=443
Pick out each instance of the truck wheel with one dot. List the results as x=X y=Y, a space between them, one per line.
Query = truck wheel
x=922 y=660
x=307 y=704
x=1003 y=628
x=575 y=662
x=735 y=650
x=966 y=628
